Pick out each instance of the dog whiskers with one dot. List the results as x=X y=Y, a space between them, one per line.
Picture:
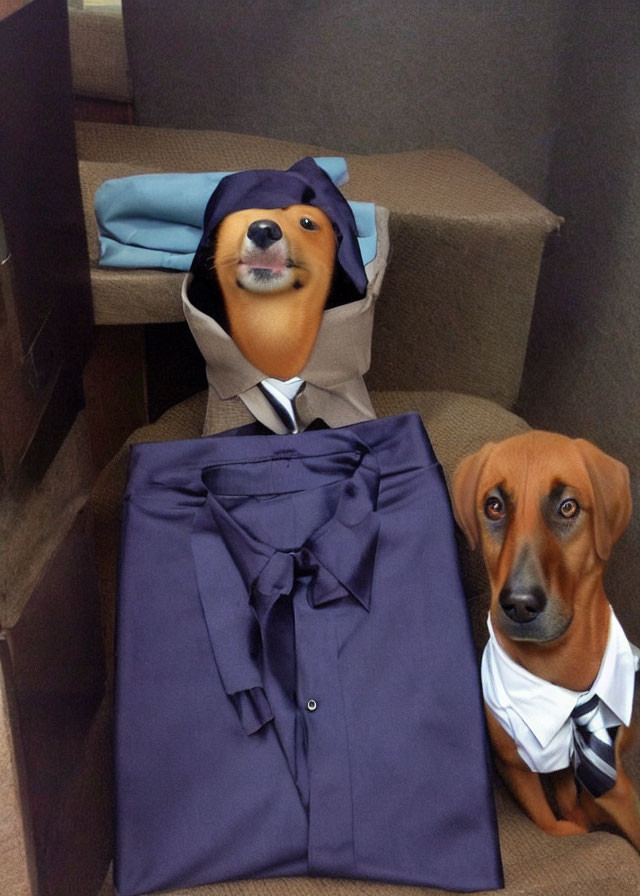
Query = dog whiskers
x=228 y=261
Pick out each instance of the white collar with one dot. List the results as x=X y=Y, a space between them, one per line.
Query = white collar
x=544 y=707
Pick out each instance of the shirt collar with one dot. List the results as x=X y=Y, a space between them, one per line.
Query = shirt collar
x=545 y=707
x=344 y=546
x=231 y=374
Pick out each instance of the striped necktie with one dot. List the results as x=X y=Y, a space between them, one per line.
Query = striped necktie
x=593 y=755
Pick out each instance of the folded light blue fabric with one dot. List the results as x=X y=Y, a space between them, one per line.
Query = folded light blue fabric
x=155 y=220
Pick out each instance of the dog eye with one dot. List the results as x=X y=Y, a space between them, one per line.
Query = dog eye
x=494 y=508
x=308 y=224
x=569 y=509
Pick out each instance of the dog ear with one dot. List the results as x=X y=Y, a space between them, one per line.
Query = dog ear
x=464 y=488
x=612 y=496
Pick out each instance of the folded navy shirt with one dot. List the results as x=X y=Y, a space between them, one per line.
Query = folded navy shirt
x=297 y=689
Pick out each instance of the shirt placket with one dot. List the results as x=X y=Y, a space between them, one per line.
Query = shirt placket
x=323 y=736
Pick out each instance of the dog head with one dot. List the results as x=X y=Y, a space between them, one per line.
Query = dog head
x=278 y=248
x=275 y=269
x=546 y=511
x=270 y=251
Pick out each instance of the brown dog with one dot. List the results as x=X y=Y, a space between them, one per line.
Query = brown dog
x=546 y=511
x=275 y=270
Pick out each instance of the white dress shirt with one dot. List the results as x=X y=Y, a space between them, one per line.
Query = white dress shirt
x=536 y=713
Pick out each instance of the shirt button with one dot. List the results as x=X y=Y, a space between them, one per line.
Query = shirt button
x=312 y=705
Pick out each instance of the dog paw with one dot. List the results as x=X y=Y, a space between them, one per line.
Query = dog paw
x=577 y=816
x=563 y=828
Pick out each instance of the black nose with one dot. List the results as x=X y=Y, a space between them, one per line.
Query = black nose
x=525 y=605
x=263 y=233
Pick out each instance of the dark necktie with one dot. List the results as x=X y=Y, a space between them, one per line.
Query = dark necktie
x=289 y=582
x=593 y=757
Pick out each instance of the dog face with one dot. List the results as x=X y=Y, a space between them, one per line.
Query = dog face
x=275 y=270
x=267 y=251
x=546 y=511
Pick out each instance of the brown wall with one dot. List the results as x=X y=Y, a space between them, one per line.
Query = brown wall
x=582 y=374
x=357 y=75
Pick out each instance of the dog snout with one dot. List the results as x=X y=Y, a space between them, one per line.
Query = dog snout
x=523 y=596
x=264 y=233
x=523 y=604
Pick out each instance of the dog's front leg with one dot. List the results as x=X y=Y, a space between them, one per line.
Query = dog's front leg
x=567 y=798
x=526 y=785
x=619 y=806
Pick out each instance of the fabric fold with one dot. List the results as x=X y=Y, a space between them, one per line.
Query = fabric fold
x=253 y=708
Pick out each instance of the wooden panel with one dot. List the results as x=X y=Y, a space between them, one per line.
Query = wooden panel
x=58 y=670
x=45 y=305
x=50 y=618
x=16 y=857
x=54 y=722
